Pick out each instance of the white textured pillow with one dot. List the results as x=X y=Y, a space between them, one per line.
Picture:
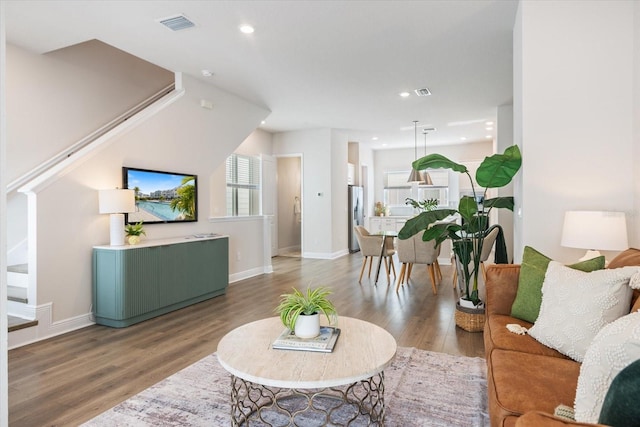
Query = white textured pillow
x=615 y=347
x=576 y=305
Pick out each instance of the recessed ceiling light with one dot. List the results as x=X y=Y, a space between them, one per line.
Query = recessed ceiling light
x=404 y=94
x=488 y=123
x=489 y=128
x=463 y=138
x=384 y=144
x=207 y=73
x=263 y=122
x=375 y=138
x=488 y=136
x=247 y=29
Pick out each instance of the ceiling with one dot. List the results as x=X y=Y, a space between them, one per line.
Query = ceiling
x=313 y=64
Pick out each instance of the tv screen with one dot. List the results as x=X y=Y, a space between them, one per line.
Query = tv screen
x=161 y=197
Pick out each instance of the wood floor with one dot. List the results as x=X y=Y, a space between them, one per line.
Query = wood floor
x=69 y=379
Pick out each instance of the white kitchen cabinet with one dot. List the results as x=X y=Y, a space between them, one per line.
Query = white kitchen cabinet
x=378 y=224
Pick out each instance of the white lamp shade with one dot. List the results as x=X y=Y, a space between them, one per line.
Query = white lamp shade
x=596 y=230
x=116 y=201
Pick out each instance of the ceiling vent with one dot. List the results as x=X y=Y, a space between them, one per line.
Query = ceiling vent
x=422 y=92
x=177 y=22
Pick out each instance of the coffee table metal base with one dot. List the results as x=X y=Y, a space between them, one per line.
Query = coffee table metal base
x=358 y=404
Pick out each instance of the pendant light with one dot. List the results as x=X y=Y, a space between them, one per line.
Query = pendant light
x=426 y=178
x=415 y=175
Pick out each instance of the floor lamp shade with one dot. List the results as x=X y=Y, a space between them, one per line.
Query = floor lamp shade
x=595 y=230
x=116 y=202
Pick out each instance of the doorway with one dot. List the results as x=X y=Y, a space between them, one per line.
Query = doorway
x=290 y=205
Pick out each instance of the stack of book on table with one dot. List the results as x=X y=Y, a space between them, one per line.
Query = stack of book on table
x=325 y=342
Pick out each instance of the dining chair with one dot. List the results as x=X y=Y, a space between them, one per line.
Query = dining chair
x=407 y=256
x=370 y=246
x=427 y=253
x=416 y=251
x=487 y=246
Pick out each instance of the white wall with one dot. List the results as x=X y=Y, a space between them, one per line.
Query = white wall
x=315 y=148
x=62 y=96
x=339 y=193
x=574 y=105
x=504 y=139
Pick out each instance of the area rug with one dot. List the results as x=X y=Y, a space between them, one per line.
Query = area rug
x=422 y=388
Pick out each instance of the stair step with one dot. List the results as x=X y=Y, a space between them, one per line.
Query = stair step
x=17 y=323
x=17 y=294
x=19 y=268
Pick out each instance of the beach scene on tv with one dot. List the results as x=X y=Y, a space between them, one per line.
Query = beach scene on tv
x=162 y=196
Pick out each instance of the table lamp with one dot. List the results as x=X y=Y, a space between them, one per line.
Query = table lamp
x=594 y=230
x=116 y=202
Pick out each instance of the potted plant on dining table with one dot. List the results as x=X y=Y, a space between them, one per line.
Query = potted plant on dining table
x=468 y=236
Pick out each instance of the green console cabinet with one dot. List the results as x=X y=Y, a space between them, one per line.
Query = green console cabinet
x=136 y=283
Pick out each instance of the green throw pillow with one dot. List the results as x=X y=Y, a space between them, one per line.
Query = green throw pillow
x=620 y=407
x=526 y=306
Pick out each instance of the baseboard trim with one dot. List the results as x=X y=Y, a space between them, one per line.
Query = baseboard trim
x=236 y=277
x=46 y=327
x=326 y=255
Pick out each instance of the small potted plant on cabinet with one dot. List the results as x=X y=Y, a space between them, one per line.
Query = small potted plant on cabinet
x=134 y=231
x=300 y=312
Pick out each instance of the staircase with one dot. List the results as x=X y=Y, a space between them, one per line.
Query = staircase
x=17 y=284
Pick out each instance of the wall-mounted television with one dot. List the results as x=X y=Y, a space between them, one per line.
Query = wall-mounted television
x=161 y=197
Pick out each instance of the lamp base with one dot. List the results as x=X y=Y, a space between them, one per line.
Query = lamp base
x=116 y=231
x=590 y=255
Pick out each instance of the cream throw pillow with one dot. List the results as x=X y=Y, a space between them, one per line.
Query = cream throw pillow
x=576 y=305
x=615 y=347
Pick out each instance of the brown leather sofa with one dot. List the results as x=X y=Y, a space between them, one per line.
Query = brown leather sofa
x=527 y=380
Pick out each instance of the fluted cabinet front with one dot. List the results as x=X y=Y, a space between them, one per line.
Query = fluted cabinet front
x=132 y=284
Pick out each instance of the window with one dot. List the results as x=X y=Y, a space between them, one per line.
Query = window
x=396 y=188
x=243 y=185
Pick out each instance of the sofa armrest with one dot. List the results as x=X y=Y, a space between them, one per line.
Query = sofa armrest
x=541 y=419
x=501 y=288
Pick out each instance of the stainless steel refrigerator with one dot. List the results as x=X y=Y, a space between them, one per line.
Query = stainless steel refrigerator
x=356 y=215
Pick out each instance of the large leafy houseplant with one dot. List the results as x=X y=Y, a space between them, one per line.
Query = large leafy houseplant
x=468 y=237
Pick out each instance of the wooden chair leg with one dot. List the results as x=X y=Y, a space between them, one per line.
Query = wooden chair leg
x=484 y=272
x=438 y=271
x=409 y=272
x=432 y=276
x=393 y=266
x=364 y=264
x=386 y=267
x=455 y=276
x=403 y=269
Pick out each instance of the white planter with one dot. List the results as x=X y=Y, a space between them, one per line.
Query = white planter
x=307 y=326
x=469 y=304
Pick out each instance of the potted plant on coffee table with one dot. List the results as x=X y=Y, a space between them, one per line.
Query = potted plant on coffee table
x=300 y=312
x=467 y=237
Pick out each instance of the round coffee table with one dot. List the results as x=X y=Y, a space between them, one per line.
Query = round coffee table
x=304 y=387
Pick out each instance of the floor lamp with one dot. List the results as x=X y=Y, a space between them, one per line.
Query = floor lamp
x=116 y=202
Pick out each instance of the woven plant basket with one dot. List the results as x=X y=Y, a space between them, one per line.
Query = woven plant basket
x=470 y=319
